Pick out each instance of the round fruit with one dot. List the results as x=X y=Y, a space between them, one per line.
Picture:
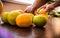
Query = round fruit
x=24 y=20
x=12 y=17
x=39 y=20
x=31 y=15
x=41 y=12
x=20 y=11
x=4 y=17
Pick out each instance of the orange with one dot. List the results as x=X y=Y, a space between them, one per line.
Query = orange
x=31 y=15
x=24 y=20
x=35 y=13
x=41 y=12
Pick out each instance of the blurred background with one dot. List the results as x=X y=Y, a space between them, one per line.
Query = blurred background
x=16 y=4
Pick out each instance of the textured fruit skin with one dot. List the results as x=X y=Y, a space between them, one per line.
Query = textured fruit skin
x=12 y=17
x=31 y=15
x=24 y=20
x=39 y=20
x=4 y=17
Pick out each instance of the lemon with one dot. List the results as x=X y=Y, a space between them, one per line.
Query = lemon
x=12 y=17
x=4 y=17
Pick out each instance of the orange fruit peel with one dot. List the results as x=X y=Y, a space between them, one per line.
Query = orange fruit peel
x=24 y=20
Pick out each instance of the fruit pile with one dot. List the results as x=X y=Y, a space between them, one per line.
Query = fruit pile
x=22 y=19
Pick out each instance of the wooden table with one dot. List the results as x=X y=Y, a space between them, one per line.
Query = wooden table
x=48 y=31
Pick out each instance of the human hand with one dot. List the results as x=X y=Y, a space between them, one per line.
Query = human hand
x=29 y=9
x=48 y=8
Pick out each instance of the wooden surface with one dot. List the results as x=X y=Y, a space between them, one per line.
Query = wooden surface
x=48 y=31
x=7 y=7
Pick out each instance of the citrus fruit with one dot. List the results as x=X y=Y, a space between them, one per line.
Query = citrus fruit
x=41 y=12
x=20 y=11
x=24 y=20
x=39 y=20
x=31 y=15
x=35 y=12
x=12 y=17
x=4 y=17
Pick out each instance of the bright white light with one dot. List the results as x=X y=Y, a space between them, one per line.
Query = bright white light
x=26 y=1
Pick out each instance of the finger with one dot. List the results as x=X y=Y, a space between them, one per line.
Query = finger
x=44 y=6
x=48 y=9
x=25 y=10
